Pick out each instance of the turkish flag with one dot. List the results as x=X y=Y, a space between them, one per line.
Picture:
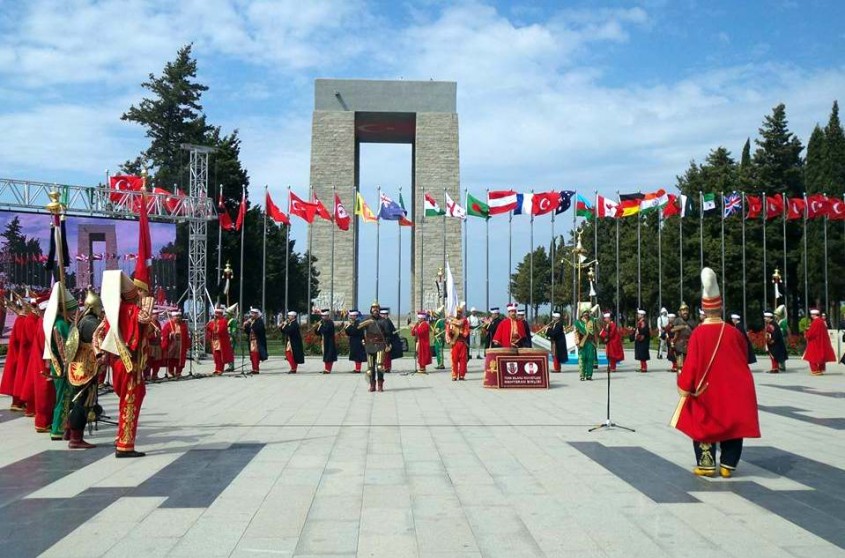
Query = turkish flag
x=274 y=212
x=544 y=202
x=223 y=215
x=123 y=183
x=817 y=206
x=341 y=217
x=170 y=201
x=321 y=210
x=672 y=207
x=836 y=210
x=241 y=213
x=774 y=206
x=795 y=209
x=302 y=209
x=755 y=206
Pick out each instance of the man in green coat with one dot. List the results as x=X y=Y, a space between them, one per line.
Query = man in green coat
x=59 y=326
x=437 y=333
x=586 y=336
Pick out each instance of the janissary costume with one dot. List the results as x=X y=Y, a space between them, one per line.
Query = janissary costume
x=394 y=344
x=495 y=320
x=14 y=358
x=175 y=341
x=20 y=392
x=155 y=357
x=325 y=329
x=610 y=336
x=421 y=331
x=642 y=341
x=662 y=322
x=43 y=391
x=520 y=315
x=736 y=320
x=375 y=343
x=257 y=337
x=294 y=350
x=819 y=350
x=718 y=402
x=457 y=334
x=357 y=354
x=775 y=344
x=682 y=328
x=438 y=330
x=217 y=333
x=59 y=317
x=670 y=344
x=585 y=334
x=511 y=331
x=557 y=336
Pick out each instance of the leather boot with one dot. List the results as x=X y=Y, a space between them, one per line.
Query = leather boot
x=381 y=385
x=76 y=441
x=372 y=387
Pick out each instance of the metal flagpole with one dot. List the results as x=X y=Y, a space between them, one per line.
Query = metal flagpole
x=531 y=266
x=826 y=300
x=552 y=259
x=659 y=257
x=465 y=226
x=617 y=267
x=681 y=247
x=287 y=256
x=510 y=253
x=806 y=283
x=487 y=256
x=308 y=307
x=744 y=301
x=420 y=218
x=639 y=262
x=596 y=239
x=575 y=302
x=241 y=282
x=399 y=290
x=724 y=293
x=219 y=246
x=701 y=229
x=264 y=259
x=331 y=284
x=378 y=231
x=784 y=274
x=444 y=238
x=765 y=282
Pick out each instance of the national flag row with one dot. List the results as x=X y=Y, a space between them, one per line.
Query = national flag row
x=23 y=259
x=124 y=184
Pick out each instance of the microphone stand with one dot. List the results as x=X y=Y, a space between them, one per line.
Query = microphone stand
x=608 y=423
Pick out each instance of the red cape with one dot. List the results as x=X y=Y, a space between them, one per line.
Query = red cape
x=819 y=348
x=727 y=408
x=613 y=349
x=421 y=331
x=30 y=322
x=10 y=369
x=502 y=336
x=222 y=326
x=186 y=340
x=35 y=362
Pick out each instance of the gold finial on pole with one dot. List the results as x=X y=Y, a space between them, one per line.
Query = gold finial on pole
x=56 y=209
x=228 y=274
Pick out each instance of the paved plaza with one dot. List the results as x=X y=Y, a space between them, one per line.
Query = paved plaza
x=315 y=465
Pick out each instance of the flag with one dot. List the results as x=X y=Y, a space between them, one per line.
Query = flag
x=755 y=206
x=145 y=248
x=320 y=210
x=476 y=207
x=501 y=201
x=774 y=206
x=629 y=204
x=817 y=206
x=223 y=215
x=672 y=206
x=453 y=209
x=99 y=257
x=451 y=293
x=607 y=207
x=836 y=210
x=583 y=207
x=169 y=201
x=81 y=258
x=708 y=202
x=302 y=209
x=389 y=210
x=363 y=210
x=239 y=222
x=731 y=204
x=565 y=201
x=123 y=183
x=404 y=221
x=523 y=204
x=654 y=200
x=795 y=208
x=274 y=212
x=687 y=207
x=341 y=217
x=431 y=207
x=544 y=202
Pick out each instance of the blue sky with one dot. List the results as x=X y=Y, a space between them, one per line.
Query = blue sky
x=591 y=95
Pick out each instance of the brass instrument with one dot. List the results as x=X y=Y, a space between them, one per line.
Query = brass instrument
x=366 y=322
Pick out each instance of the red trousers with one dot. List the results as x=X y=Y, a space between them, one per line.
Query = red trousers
x=130 y=389
x=555 y=364
x=328 y=366
x=818 y=367
x=644 y=366
x=386 y=362
x=45 y=401
x=218 y=362
x=357 y=366
x=459 y=360
x=291 y=361
x=254 y=360
x=612 y=364
x=776 y=364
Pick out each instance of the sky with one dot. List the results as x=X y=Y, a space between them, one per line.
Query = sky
x=582 y=95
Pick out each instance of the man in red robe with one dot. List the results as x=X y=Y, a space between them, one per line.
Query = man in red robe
x=421 y=331
x=20 y=391
x=613 y=342
x=175 y=341
x=457 y=333
x=819 y=350
x=13 y=356
x=43 y=393
x=511 y=331
x=718 y=400
x=217 y=332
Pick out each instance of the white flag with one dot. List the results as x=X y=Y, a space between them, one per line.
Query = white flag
x=453 y=209
x=451 y=293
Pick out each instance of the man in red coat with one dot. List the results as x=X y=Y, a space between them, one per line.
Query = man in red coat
x=175 y=341
x=13 y=359
x=511 y=332
x=421 y=331
x=719 y=403
x=217 y=332
x=39 y=385
x=609 y=335
x=819 y=350
x=20 y=391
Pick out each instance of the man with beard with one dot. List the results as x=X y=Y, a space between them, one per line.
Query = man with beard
x=681 y=330
x=375 y=342
x=609 y=335
x=175 y=341
x=294 y=349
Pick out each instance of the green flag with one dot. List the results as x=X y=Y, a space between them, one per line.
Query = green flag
x=708 y=202
x=476 y=207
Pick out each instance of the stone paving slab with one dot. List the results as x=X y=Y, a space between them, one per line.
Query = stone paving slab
x=315 y=465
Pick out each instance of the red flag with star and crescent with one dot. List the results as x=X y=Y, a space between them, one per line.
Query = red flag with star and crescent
x=836 y=210
x=755 y=206
x=817 y=206
x=241 y=212
x=223 y=215
x=341 y=217
x=544 y=202
x=274 y=212
x=321 y=210
x=301 y=208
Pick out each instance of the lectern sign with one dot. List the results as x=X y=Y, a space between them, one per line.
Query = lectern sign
x=517 y=369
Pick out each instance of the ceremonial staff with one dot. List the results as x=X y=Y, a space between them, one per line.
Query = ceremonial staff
x=58 y=244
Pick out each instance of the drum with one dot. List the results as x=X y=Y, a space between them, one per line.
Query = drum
x=491 y=366
x=532 y=351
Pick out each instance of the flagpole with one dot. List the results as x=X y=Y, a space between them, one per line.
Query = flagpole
x=617 y=267
x=639 y=262
x=744 y=301
x=574 y=309
x=419 y=272
x=219 y=245
x=264 y=259
x=765 y=282
x=531 y=265
x=399 y=290
x=444 y=252
x=552 y=259
x=784 y=274
x=331 y=284
x=701 y=228
x=465 y=226
x=659 y=257
x=308 y=307
x=724 y=295
x=826 y=301
x=681 y=244
x=806 y=289
x=487 y=256
x=378 y=232
x=510 y=254
x=241 y=279
x=596 y=238
x=287 y=256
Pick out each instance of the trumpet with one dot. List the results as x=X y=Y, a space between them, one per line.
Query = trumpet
x=366 y=323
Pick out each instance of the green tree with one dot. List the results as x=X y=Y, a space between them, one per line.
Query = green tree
x=835 y=153
x=523 y=280
x=777 y=160
x=814 y=172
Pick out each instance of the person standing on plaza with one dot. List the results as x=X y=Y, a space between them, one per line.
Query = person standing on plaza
x=421 y=331
x=457 y=335
x=670 y=345
x=82 y=372
x=256 y=335
x=217 y=333
x=775 y=344
x=154 y=352
x=474 y=333
x=60 y=316
x=736 y=320
x=495 y=320
x=642 y=341
x=662 y=322
x=718 y=406
x=511 y=332
x=819 y=350
x=175 y=341
x=557 y=336
x=438 y=330
x=375 y=330
x=357 y=354
x=682 y=328
x=585 y=333
x=43 y=391
x=325 y=329
x=610 y=336
x=294 y=349
x=527 y=342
